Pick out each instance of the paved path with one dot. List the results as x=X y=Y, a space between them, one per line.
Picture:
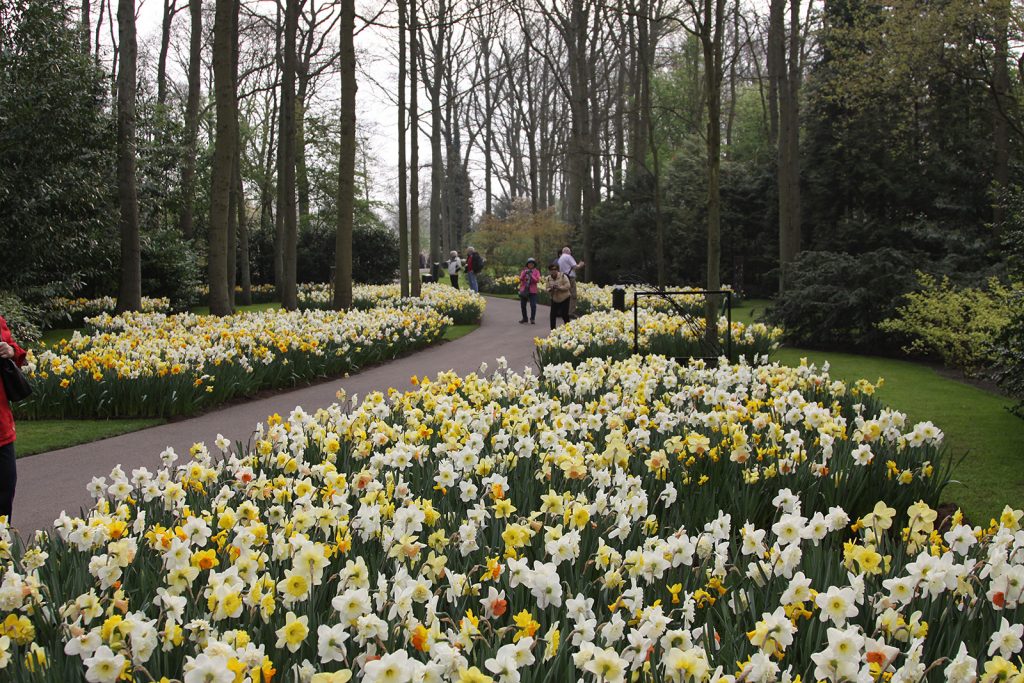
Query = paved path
x=51 y=482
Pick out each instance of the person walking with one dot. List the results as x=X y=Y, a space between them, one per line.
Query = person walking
x=568 y=266
x=454 y=266
x=8 y=467
x=557 y=285
x=529 y=278
x=474 y=264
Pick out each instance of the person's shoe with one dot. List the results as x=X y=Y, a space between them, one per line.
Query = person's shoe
x=533 y=322
x=523 y=321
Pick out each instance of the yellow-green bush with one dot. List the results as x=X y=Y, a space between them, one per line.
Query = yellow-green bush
x=959 y=326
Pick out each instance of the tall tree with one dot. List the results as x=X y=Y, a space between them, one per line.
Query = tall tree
x=188 y=166
x=286 y=174
x=224 y=24
x=129 y=297
x=170 y=9
x=708 y=17
x=86 y=26
x=784 y=72
x=403 y=173
x=347 y=162
x=414 y=153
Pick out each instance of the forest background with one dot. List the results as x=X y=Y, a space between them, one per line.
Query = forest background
x=839 y=156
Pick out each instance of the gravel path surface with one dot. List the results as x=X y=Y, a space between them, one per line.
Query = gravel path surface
x=51 y=482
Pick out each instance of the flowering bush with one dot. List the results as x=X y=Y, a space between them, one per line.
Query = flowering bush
x=75 y=311
x=960 y=326
x=610 y=334
x=463 y=306
x=598 y=523
x=151 y=364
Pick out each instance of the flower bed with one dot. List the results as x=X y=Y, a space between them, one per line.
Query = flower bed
x=598 y=298
x=610 y=335
x=75 y=311
x=463 y=306
x=594 y=298
x=145 y=365
x=597 y=523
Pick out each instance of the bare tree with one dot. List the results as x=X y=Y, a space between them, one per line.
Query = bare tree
x=224 y=25
x=784 y=72
x=414 y=154
x=347 y=162
x=129 y=297
x=403 y=171
x=286 y=174
x=188 y=167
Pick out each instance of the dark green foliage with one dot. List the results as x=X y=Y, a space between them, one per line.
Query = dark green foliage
x=22 y=318
x=1010 y=345
x=624 y=228
x=57 y=215
x=170 y=267
x=374 y=251
x=836 y=299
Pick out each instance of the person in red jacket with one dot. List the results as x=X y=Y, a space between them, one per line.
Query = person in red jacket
x=8 y=467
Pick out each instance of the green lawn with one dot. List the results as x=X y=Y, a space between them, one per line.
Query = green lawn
x=986 y=439
x=458 y=331
x=39 y=436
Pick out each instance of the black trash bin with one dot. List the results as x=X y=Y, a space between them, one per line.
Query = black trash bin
x=619 y=298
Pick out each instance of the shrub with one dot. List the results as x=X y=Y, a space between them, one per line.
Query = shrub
x=959 y=326
x=21 y=318
x=836 y=300
x=1010 y=343
x=1009 y=352
x=170 y=268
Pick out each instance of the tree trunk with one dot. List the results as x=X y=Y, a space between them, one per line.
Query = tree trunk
x=1001 y=103
x=711 y=42
x=223 y=158
x=414 y=154
x=86 y=27
x=244 y=268
x=789 y=148
x=289 y=289
x=235 y=205
x=129 y=297
x=488 y=128
x=347 y=162
x=436 y=162
x=188 y=167
x=403 y=173
x=279 y=198
x=170 y=9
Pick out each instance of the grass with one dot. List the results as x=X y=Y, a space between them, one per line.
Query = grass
x=51 y=337
x=458 y=331
x=40 y=436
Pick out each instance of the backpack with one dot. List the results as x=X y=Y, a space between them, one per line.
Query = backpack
x=478 y=262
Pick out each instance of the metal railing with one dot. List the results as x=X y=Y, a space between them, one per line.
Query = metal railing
x=694 y=323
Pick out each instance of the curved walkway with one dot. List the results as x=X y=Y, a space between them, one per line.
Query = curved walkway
x=51 y=482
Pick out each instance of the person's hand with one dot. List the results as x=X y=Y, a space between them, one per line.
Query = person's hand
x=6 y=350
x=579 y=265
